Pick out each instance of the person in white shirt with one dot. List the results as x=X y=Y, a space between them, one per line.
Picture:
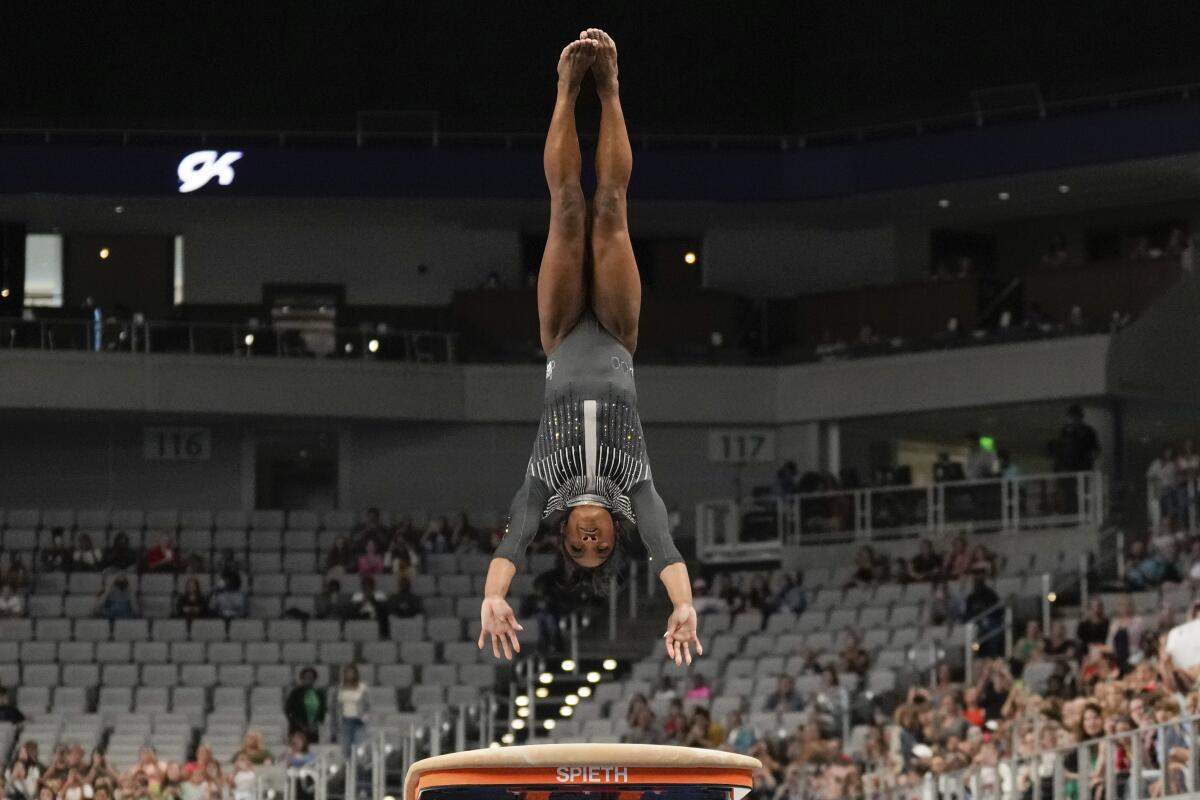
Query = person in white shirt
x=351 y=705
x=11 y=603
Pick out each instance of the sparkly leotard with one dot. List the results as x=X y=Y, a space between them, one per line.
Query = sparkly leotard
x=589 y=448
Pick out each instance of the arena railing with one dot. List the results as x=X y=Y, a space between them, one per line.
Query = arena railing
x=230 y=339
x=1113 y=767
x=423 y=128
x=757 y=529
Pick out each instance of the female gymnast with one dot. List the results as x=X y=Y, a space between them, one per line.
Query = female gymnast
x=589 y=474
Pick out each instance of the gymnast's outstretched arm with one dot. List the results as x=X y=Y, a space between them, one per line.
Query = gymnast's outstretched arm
x=496 y=616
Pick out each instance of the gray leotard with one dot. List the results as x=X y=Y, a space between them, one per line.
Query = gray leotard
x=589 y=448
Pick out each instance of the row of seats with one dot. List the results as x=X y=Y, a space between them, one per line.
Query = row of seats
x=173 y=519
x=411 y=631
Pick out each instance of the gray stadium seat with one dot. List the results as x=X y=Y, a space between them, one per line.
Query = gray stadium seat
x=16 y=630
x=33 y=699
x=273 y=675
x=302 y=521
x=261 y=652
x=266 y=518
x=23 y=518
x=53 y=630
x=198 y=675
x=274 y=583
x=323 y=630
x=240 y=675
x=337 y=520
x=461 y=652
x=93 y=519
x=20 y=539
x=481 y=675
x=299 y=561
x=158 y=583
x=264 y=608
x=188 y=652
x=76 y=653
x=208 y=630
x=10 y=652
x=233 y=519
x=79 y=605
x=39 y=652
x=419 y=653
x=89 y=583
x=298 y=653
x=196 y=540
x=39 y=675
x=379 y=652
x=164 y=519
x=304 y=583
x=439 y=674
x=43 y=606
x=397 y=676
x=230 y=539
x=123 y=675
x=360 y=630
x=407 y=629
x=93 y=630
x=151 y=699
x=159 y=675
x=83 y=675
x=444 y=629
x=225 y=653
x=151 y=652
x=336 y=653
x=265 y=562
x=426 y=695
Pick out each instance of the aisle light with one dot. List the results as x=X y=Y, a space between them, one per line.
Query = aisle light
x=568 y=665
x=689 y=258
x=566 y=711
x=610 y=664
x=522 y=712
x=572 y=700
x=549 y=724
x=542 y=692
x=104 y=253
x=545 y=677
x=593 y=677
x=522 y=700
x=518 y=724
x=584 y=691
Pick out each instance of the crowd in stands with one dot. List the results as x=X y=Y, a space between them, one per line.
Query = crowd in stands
x=1171 y=478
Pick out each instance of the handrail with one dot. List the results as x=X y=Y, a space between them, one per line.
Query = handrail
x=436 y=137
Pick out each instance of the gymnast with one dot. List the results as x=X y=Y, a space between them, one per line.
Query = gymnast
x=589 y=474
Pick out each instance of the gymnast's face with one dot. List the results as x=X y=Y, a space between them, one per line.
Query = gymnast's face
x=589 y=535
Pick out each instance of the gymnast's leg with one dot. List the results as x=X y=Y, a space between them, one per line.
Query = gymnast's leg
x=561 y=291
x=616 y=286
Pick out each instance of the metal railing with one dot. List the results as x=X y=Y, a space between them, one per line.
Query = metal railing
x=1121 y=766
x=757 y=529
x=227 y=339
x=431 y=134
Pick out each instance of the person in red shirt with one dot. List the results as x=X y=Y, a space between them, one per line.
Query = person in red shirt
x=972 y=711
x=163 y=557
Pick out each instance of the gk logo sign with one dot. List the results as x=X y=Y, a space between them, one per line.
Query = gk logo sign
x=198 y=168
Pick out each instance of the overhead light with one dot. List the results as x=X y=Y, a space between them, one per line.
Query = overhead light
x=1063 y=188
x=943 y=203
x=4 y=292
x=689 y=258
x=549 y=724
x=593 y=677
x=1003 y=195
x=542 y=692
x=545 y=677
x=584 y=691
x=610 y=664
x=523 y=712
x=568 y=665
x=104 y=253
x=571 y=699
x=118 y=209
x=565 y=711
x=1052 y=597
x=518 y=724
x=373 y=345
x=249 y=340
x=522 y=700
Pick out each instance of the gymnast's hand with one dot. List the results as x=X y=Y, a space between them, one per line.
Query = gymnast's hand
x=499 y=622
x=681 y=634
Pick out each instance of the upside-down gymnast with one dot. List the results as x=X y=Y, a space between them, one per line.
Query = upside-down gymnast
x=589 y=474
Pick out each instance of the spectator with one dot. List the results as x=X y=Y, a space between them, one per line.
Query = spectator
x=1093 y=628
x=117 y=602
x=547 y=607
x=958 y=559
x=1125 y=630
x=402 y=559
x=9 y=713
x=853 y=657
x=340 y=559
x=983 y=606
x=740 y=737
x=351 y=709
x=371 y=530
x=702 y=731
x=191 y=603
x=980 y=464
x=370 y=603
x=464 y=539
x=787 y=479
x=864 y=567
x=298 y=755
x=983 y=561
x=305 y=707
x=11 y=603
x=405 y=603
x=163 y=557
x=642 y=728
x=370 y=562
x=785 y=697
x=229 y=564
x=1162 y=479
x=1077 y=446
x=57 y=556
x=228 y=600
x=926 y=565
x=204 y=757
x=1029 y=647
x=242 y=779
x=87 y=557
x=330 y=603
x=703 y=602
x=700 y=690
x=253 y=749
x=666 y=691
x=1058 y=647
x=120 y=555
x=947 y=471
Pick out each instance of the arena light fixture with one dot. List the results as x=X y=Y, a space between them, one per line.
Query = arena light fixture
x=1003 y=195
x=522 y=712
x=546 y=677
x=549 y=724
x=689 y=258
x=249 y=340
x=610 y=664
x=518 y=724
x=568 y=665
x=542 y=692
x=593 y=677
x=494 y=746
x=4 y=292
x=118 y=209
x=565 y=711
x=584 y=691
x=943 y=203
x=104 y=253
x=373 y=345
x=508 y=738
x=522 y=700
x=1052 y=597
x=1063 y=188
x=572 y=700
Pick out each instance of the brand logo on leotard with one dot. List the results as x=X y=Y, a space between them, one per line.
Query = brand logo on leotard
x=549 y=370
x=620 y=363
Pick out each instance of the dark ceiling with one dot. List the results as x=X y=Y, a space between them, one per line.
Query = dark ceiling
x=741 y=67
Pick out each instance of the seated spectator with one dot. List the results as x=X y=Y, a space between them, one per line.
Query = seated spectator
x=370 y=603
x=330 y=603
x=242 y=778
x=9 y=713
x=702 y=731
x=253 y=749
x=463 y=537
x=1151 y=563
x=370 y=562
x=87 y=556
x=787 y=593
x=1125 y=630
x=340 y=559
x=402 y=558
x=149 y=768
x=983 y=560
x=676 y=724
x=228 y=601
x=785 y=697
x=1093 y=628
x=191 y=603
x=864 y=567
x=787 y=479
x=371 y=530
x=703 y=602
x=305 y=707
x=739 y=736
x=853 y=657
x=1058 y=647
x=57 y=556
x=120 y=554
x=405 y=603
x=163 y=557
x=204 y=757
x=958 y=560
x=666 y=691
x=700 y=690
x=947 y=471
x=229 y=564
x=983 y=607
x=973 y=712
x=902 y=572
x=297 y=755
x=1029 y=647
x=11 y=603
x=643 y=729
x=117 y=602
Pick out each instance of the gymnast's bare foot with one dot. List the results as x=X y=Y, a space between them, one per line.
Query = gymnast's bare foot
x=604 y=68
x=574 y=62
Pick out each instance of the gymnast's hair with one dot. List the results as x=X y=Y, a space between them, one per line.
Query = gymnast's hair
x=582 y=586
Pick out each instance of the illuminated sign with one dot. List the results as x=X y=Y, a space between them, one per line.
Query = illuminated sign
x=198 y=168
x=592 y=775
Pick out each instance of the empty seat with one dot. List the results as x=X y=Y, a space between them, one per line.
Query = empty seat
x=274 y=583
x=263 y=608
x=427 y=695
x=230 y=539
x=273 y=675
x=395 y=675
x=196 y=540
x=247 y=630
x=208 y=630
x=417 y=652
x=232 y=519
x=235 y=675
x=460 y=652
x=39 y=652
x=78 y=605
x=42 y=606
x=32 y=699
x=164 y=519
x=124 y=675
x=76 y=653
x=262 y=652
x=323 y=630
x=266 y=518
x=225 y=653
x=93 y=630
x=20 y=539
x=407 y=628
x=379 y=652
x=198 y=675
x=336 y=653
x=265 y=562
x=39 y=674
x=82 y=675
x=361 y=630
x=53 y=630
x=128 y=519
x=480 y=675
x=151 y=652
x=159 y=675
x=444 y=629
x=302 y=521
x=89 y=583
x=149 y=699
x=298 y=653
x=440 y=674
x=158 y=583
x=337 y=520
x=16 y=630
x=299 y=561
